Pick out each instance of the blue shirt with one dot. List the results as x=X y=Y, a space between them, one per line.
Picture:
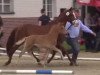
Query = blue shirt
x=75 y=30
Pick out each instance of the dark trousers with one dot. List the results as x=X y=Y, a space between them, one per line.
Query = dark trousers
x=73 y=42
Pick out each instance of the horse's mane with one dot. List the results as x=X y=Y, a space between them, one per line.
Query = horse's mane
x=58 y=19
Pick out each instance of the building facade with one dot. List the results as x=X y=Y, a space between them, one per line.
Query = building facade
x=31 y=8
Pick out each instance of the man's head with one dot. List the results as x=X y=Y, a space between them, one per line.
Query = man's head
x=77 y=13
x=42 y=11
x=62 y=10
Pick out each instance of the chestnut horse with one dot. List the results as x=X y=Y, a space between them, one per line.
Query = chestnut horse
x=25 y=30
x=47 y=41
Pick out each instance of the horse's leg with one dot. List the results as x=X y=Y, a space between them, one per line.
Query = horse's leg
x=61 y=39
x=57 y=50
x=31 y=52
x=23 y=50
x=45 y=58
x=29 y=49
x=53 y=54
x=35 y=57
x=10 y=54
x=64 y=51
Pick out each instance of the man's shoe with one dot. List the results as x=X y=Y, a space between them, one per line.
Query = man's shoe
x=73 y=64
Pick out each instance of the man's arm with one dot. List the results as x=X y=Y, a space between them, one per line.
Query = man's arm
x=39 y=23
x=86 y=29
x=67 y=25
x=1 y=22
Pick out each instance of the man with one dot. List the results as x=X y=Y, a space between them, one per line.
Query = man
x=1 y=28
x=73 y=30
x=1 y=24
x=43 y=19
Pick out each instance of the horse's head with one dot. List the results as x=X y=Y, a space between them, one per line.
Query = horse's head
x=67 y=15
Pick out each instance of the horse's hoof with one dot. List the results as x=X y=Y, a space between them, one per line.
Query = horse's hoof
x=6 y=64
x=62 y=58
x=38 y=60
x=39 y=63
x=48 y=61
x=71 y=64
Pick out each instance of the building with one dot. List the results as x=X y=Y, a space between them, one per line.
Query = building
x=19 y=12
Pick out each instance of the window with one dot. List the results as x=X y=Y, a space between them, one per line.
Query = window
x=6 y=6
x=47 y=4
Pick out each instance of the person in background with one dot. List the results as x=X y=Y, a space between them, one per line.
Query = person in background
x=1 y=27
x=89 y=39
x=73 y=30
x=97 y=30
x=43 y=19
x=62 y=10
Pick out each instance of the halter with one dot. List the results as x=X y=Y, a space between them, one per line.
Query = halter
x=74 y=21
x=74 y=15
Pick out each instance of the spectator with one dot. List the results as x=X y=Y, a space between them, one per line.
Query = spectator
x=62 y=10
x=43 y=19
x=88 y=19
x=89 y=39
x=1 y=27
x=97 y=30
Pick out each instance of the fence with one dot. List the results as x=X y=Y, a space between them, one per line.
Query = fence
x=37 y=72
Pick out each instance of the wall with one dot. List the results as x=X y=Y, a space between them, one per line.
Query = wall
x=25 y=8
x=63 y=4
x=11 y=23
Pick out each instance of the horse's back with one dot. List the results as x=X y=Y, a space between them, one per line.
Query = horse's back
x=27 y=30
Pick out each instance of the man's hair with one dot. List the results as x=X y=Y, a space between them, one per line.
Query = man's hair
x=62 y=10
x=42 y=10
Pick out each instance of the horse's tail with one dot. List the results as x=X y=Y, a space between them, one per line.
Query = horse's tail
x=20 y=41
x=11 y=40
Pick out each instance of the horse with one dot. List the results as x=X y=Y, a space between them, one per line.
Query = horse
x=27 y=29
x=47 y=41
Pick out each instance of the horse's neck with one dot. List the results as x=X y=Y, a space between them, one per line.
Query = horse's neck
x=53 y=33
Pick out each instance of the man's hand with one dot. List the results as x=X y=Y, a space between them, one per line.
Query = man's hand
x=94 y=34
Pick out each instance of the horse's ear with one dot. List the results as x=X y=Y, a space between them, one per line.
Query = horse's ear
x=71 y=8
